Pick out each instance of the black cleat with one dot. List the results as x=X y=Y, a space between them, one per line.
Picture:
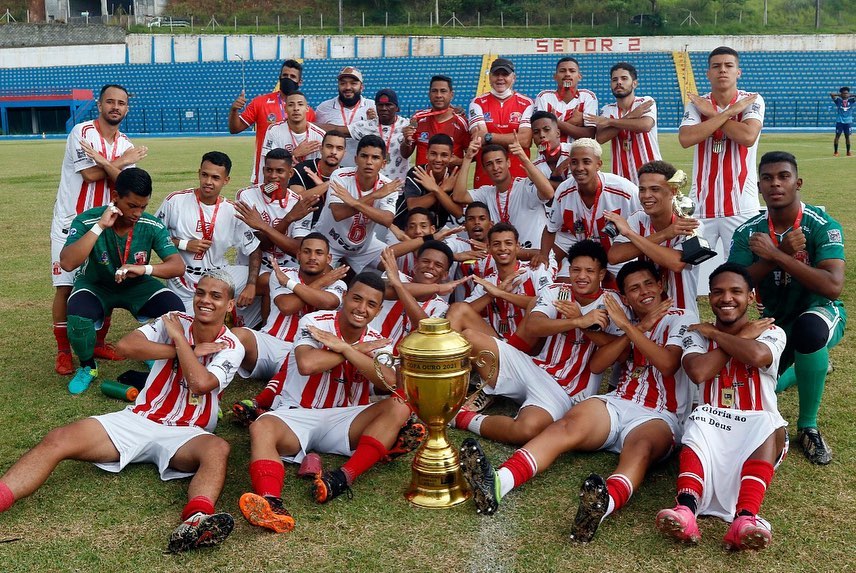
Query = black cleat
x=410 y=436
x=594 y=501
x=200 y=530
x=814 y=446
x=329 y=485
x=481 y=476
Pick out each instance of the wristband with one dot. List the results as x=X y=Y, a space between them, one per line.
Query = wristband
x=291 y=284
x=149 y=269
x=96 y=229
x=488 y=138
x=428 y=237
x=182 y=244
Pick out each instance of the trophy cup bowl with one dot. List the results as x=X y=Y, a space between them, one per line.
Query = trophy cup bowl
x=695 y=248
x=434 y=371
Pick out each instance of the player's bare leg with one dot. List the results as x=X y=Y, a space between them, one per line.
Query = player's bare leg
x=371 y=434
x=462 y=317
x=207 y=457
x=263 y=291
x=645 y=445
x=64 y=361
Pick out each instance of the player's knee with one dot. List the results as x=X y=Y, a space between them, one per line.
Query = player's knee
x=264 y=429
x=810 y=333
x=57 y=442
x=218 y=449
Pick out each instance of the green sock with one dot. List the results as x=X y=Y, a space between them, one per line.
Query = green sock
x=786 y=379
x=81 y=336
x=811 y=377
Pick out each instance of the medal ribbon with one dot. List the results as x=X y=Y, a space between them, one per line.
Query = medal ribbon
x=128 y=240
x=388 y=140
x=503 y=215
x=347 y=122
x=590 y=226
x=718 y=135
x=208 y=236
x=113 y=151
x=794 y=227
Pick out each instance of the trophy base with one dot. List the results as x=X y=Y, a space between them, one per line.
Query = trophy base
x=437 y=481
x=696 y=250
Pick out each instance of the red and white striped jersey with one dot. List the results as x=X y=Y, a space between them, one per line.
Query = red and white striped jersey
x=501 y=116
x=342 y=385
x=74 y=195
x=644 y=384
x=284 y=326
x=352 y=233
x=633 y=149
x=738 y=386
x=392 y=321
x=186 y=218
x=584 y=101
x=573 y=221
x=273 y=209
x=502 y=315
x=725 y=182
x=165 y=398
x=280 y=136
x=566 y=355
x=520 y=205
x=544 y=167
x=681 y=287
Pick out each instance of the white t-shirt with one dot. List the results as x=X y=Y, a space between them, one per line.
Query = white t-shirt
x=331 y=111
x=393 y=135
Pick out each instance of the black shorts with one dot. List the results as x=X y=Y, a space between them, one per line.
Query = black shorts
x=842 y=128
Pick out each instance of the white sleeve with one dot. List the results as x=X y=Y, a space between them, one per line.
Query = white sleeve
x=303 y=338
x=359 y=129
x=484 y=194
x=476 y=117
x=544 y=304
x=775 y=340
x=224 y=364
x=678 y=325
x=693 y=343
x=526 y=118
x=163 y=213
x=244 y=238
x=155 y=331
x=80 y=160
x=539 y=104
x=478 y=292
x=331 y=197
x=691 y=115
x=338 y=288
x=652 y=111
x=755 y=111
x=590 y=106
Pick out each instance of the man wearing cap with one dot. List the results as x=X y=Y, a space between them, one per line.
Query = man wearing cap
x=390 y=127
x=501 y=116
x=346 y=109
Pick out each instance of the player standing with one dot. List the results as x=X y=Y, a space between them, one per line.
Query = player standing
x=295 y=134
x=390 y=127
x=724 y=126
x=629 y=124
x=348 y=107
x=569 y=103
x=736 y=437
x=795 y=254
x=95 y=152
x=440 y=119
x=844 y=105
x=314 y=175
x=429 y=185
x=501 y=117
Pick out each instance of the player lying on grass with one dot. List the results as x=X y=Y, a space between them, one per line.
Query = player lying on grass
x=171 y=422
x=640 y=420
x=323 y=406
x=736 y=437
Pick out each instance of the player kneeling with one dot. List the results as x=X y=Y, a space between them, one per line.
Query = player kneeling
x=640 y=420
x=736 y=438
x=170 y=423
x=323 y=406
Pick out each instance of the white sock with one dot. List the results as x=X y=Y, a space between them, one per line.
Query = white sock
x=475 y=424
x=506 y=481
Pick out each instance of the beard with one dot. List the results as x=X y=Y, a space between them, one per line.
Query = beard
x=112 y=121
x=350 y=101
x=620 y=94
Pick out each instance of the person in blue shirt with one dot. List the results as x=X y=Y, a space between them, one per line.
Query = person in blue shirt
x=844 y=105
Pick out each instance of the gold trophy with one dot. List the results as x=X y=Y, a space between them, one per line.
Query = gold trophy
x=695 y=248
x=434 y=371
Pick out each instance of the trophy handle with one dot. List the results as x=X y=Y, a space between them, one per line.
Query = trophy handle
x=480 y=361
x=379 y=372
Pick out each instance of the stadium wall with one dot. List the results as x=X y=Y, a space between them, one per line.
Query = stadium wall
x=163 y=48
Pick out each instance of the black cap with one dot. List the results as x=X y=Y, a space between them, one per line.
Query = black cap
x=386 y=95
x=502 y=64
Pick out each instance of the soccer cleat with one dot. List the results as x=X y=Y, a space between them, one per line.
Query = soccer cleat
x=849 y=154
x=814 y=446
x=835 y=154
x=679 y=523
x=410 y=436
x=247 y=411
x=329 y=485
x=478 y=401
x=64 y=363
x=311 y=466
x=200 y=530
x=748 y=532
x=107 y=352
x=82 y=380
x=594 y=500
x=479 y=473
x=266 y=511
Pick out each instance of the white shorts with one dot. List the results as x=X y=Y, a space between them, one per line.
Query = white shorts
x=250 y=315
x=520 y=379
x=724 y=440
x=322 y=430
x=271 y=352
x=139 y=440
x=59 y=277
x=367 y=256
x=625 y=416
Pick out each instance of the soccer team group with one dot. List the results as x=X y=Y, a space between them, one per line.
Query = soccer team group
x=562 y=270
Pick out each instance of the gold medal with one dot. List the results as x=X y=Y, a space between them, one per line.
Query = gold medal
x=637 y=372
x=727 y=399
x=626 y=144
x=193 y=399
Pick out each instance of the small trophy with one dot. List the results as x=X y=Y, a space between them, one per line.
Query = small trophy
x=696 y=249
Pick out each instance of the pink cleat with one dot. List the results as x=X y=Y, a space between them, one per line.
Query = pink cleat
x=679 y=523
x=748 y=532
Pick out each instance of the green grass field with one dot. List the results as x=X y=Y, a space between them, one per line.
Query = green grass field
x=84 y=519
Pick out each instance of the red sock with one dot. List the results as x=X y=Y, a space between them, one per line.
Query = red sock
x=369 y=452
x=7 y=498
x=463 y=419
x=200 y=503
x=620 y=489
x=522 y=466
x=755 y=476
x=519 y=343
x=264 y=399
x=267 y=477
x=61 y=334
x=101 y=334
x=690 y=474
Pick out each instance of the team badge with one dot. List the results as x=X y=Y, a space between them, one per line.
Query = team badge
x=515 y=117
x=834 y=235
x=271 y=118
x=140 y=258
x=72 y=232
x=487 y=118
x=104 y=258
x=423 y=136
x=579 y=227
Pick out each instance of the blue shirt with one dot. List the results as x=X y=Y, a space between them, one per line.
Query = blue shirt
x=845 y=107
